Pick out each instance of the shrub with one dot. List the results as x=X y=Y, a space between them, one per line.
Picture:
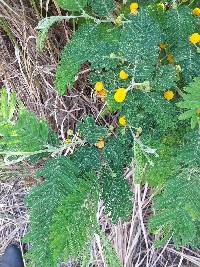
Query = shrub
x=144 y=62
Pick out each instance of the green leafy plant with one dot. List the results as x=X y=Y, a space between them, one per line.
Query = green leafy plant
x=23 y=135
x=139 y=65
x=77 y=183
x=70 y=200
x=177 y=210
x=142 y=58
x=191 y=102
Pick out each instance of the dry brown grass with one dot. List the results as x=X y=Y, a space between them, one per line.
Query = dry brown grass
x=13 y=213
x=31 y=75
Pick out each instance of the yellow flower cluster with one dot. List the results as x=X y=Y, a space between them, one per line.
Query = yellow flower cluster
x=100 y=89
x=169 y=95
x=163 y=45
x=196 y=11
x=122 y=121
x=120 y=95
x=134 y=7
x=195 y=38
x=123 y=75
x=100 y=144
x=99 y=86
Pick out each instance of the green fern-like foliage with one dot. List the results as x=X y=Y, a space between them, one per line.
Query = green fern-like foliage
x=72 y=5
x=154 y=138
x=191 y=102
x=63 y=223
x=24 y=133
x=189 y=60
x=176 y=171
x=108 y=163
x=180 y=24
x=116 y=195
x=164 y=166
x=97 y=43
x=61 y=176
x=150 y=111
x=139 y=45
x=101 y=7
x=178 y=210
x=103 y=46
x=164 y=78
x=16 y=137
x=189 y=153
x=63 y=208
x=118 y=150
x=91 y=131
x=87 y=158
x=75 y=223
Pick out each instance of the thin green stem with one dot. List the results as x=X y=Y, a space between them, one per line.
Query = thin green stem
x=22 y=155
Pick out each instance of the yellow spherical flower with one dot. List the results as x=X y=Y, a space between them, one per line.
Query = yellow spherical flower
x=169 y=95
x=123 y=75
x=195 y=38
x=99 y=86
x=196 y=11
x=170 y=58
x=134 y=7
x=100 y=144
x=120 y=95
x=163 y=45
x=122 y=121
